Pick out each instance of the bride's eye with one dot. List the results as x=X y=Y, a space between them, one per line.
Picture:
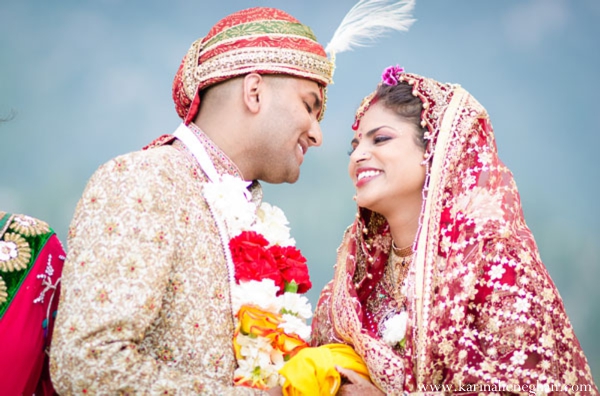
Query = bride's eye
x=381 y=139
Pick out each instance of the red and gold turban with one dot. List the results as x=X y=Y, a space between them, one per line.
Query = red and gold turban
x=260 y=40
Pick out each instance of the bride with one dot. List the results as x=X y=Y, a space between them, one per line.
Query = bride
x=438 y=281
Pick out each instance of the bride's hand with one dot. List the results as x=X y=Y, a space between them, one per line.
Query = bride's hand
x=356 y=385
x=275 y=391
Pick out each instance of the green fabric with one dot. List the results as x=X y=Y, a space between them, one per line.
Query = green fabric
x=4 y=222
x=263 y=28
x=15 y=279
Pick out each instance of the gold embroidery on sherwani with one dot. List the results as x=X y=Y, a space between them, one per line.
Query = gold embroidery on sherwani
x=145 y=300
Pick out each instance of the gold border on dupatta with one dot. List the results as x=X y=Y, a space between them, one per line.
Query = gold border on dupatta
x=427 y=247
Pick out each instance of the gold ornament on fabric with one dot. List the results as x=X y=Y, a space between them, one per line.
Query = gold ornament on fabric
x=3 y=291
x=15 y=253
x=28 y=226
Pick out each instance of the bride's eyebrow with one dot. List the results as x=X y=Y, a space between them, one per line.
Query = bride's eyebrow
x=368 y=134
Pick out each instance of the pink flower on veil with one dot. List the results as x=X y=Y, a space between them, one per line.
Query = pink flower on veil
x=390 y=75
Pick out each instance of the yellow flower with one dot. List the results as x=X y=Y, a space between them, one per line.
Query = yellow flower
x=254 y=321
x=289 y=344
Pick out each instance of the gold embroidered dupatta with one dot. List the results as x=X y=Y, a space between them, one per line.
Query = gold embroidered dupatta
x=484 y=313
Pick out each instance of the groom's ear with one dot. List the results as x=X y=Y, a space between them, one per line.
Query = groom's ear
x=253 y=89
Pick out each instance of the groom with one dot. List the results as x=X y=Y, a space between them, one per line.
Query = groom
x=146 y=301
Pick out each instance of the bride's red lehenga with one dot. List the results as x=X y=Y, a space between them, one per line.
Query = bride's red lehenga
x=484 y=314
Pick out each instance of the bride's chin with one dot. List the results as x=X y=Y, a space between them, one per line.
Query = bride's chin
x=366 y=203
x=373 y=205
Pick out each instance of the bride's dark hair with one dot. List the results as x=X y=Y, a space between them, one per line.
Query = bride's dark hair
x=399 y=98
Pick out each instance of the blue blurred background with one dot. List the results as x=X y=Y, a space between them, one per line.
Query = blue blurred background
x=88 y=80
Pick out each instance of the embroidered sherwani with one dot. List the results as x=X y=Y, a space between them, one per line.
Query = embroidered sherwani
x=146 y=302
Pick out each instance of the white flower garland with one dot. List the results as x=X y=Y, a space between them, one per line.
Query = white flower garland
x=230 y=199
x=231 y=203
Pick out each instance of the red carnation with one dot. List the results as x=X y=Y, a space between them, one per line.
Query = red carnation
x=292 y=265
x=252 y=260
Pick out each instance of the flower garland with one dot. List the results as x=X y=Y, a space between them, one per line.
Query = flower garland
x=269 y=275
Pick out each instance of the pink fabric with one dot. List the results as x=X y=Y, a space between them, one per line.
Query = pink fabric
x=23 y=339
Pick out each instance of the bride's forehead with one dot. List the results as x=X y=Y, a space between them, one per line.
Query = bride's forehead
x=356 y=136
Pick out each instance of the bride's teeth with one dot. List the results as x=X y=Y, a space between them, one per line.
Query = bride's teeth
x=364 y=174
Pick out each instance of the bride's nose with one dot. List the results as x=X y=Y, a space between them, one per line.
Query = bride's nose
x=360 y=155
